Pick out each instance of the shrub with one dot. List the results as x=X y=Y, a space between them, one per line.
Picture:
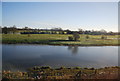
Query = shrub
x=28 y=35
x=77 y=68
x=45 y=67
x=62 y=67
x=92 y=68
x=70 y=38
x=87 y=37
x=103 y=37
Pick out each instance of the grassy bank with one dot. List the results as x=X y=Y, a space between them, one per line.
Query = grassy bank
x=59 y=39
x=64 y=73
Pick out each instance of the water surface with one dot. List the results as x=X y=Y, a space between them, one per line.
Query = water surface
x=21 y=57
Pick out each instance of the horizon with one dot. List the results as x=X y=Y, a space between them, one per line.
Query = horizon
x=66 y=15
x=58 y=28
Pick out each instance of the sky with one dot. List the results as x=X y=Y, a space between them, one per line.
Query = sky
x=60 y=0
x=67 y=15
x=0 y=14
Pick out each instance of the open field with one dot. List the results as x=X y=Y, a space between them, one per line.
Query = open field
x=59 y=39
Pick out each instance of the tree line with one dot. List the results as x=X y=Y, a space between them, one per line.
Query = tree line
x=27 y=30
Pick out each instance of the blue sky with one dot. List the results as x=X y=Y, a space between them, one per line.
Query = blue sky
x=0 y=14
x=60 y=0
x=67 y=15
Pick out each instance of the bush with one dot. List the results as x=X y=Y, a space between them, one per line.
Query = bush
x=91 y=68
x=62 y=67
x=87 y=37
x=103 y=37
x=28 y=35
x=85 y=68
x=45 y=67
x=77 y=68
x=70 y=38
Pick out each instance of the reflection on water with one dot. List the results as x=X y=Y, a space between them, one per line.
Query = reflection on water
x=20 y=57
x=73 y=49
x=0 y=62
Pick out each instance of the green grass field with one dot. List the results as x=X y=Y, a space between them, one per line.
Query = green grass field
x=59 y=39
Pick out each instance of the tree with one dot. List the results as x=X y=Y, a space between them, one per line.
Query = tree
x=102 y=31
x=5 y=30
x=0 y=29
x=27 y=30
x=57 y=29
x=80 y=31
x=13 y=29
x=68 y=31
x=76 y=36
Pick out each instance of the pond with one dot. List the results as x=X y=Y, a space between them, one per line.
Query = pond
x=21 y=57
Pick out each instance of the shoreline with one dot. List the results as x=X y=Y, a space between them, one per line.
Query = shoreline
x=64 y=73
x=62 y=44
